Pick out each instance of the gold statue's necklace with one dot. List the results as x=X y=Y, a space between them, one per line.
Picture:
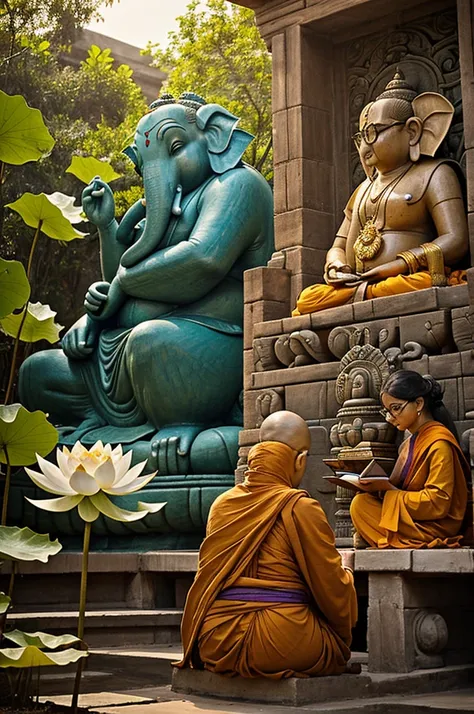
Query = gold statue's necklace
x=370 y=238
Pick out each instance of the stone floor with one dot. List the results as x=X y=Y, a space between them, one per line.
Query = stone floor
x=136 y=681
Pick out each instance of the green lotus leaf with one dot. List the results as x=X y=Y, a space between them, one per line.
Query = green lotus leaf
x=39 y=324
x=86 y=168
x=24 y=434
x=4 y=603
x=26 y=545
x=22 y=657
x=14 y=286
x=23 y=134
x=54 y=211
x=41 y=640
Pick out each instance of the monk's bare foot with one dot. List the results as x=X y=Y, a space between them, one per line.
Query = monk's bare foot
x=359 y=542
x=353 y=668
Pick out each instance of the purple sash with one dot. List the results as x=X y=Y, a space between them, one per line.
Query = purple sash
x=264 y=595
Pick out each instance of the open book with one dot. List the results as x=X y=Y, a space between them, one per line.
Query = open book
x=374 y=471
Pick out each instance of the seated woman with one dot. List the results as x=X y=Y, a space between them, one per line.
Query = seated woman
x=424 y=502
x=405 y=226
x=271 y=597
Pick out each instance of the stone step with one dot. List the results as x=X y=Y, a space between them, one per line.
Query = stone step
x=107 y=628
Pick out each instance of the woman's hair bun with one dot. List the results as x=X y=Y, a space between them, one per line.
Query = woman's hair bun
x=434 y=389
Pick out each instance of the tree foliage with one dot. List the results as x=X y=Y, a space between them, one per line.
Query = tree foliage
x=218 y=53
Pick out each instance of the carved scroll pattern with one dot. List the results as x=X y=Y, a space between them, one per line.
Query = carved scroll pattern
x=428 y=53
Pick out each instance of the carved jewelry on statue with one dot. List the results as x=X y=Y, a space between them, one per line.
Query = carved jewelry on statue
x=176 y=207
x=411 y=260
x=435 y=262
x=370 y=238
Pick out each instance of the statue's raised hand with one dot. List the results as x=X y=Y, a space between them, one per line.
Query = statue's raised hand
x=80 y=341
x=98 y=203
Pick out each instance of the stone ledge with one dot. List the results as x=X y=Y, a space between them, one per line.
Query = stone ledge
x=298 y=692
x=444 y=561
x=163 y=561
x=295 y=375
x=391 y=306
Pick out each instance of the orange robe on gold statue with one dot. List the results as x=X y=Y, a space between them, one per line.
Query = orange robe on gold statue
x=428 y=510
x=266 y=534
x=320 y=296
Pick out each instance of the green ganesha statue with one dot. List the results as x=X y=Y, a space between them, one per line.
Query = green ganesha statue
x=156 y=362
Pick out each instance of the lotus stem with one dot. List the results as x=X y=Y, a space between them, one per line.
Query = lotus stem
x=82 y=611
x=6 y=490
x=11 y=378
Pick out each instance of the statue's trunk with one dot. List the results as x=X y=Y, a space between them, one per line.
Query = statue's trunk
x=160 y=184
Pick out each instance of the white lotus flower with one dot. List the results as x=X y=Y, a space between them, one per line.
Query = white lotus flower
x=83 y=478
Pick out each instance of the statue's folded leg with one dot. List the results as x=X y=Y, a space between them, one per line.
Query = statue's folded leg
x=320 y=297
x=183 y=372
x=51 y=382
x=399 y=284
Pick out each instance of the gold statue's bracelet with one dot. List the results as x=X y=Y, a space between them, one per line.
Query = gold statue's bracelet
x=435 y=262
x=411 y=260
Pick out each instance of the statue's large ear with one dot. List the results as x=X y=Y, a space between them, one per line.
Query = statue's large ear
x=363 y=118
x=436 y=113
x=225 y=142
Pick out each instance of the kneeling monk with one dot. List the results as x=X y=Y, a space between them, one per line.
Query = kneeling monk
x=271 y=597
x=424 y=502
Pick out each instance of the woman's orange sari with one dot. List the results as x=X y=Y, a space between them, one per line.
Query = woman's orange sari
x=429 y=509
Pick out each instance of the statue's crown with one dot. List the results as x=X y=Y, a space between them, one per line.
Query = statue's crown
x=398 y=88
x=186 y=99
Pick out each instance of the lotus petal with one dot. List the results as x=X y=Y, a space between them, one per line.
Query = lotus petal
x=122 y=465
x=97 y=448
x=45 y=484
x=56 y=479
x=78 y=450
x=117 y=453
x=135 y=485
x=131 y=475
x=105 y=475
x=62 y=457
x=83 y=483
x=112 y=511
x=87 y=511
x=57 y=505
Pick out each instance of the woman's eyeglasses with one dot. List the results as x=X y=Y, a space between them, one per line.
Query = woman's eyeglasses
x=394 y=411
x=370 y=133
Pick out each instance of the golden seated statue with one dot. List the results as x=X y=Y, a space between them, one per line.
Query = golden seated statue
x=405 y=226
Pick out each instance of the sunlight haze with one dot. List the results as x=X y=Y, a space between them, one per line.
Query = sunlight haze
x=140 y=21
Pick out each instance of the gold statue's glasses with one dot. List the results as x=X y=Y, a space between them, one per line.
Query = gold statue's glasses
x=394 y=411
x=370 y=133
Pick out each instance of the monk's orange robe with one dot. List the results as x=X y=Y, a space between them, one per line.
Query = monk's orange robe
x=429 y=508
x=319 y=297
x=264 y=533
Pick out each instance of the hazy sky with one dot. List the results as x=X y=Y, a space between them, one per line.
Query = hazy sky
x=137 y=21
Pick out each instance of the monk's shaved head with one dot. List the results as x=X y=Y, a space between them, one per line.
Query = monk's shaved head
x=287 y=428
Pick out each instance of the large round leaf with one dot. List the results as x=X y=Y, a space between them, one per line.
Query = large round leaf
x=38 y=325
x=4 y=603
x=23 y=134
x=86 y=168
x=55 y=211
x=40 y=639
x=24 y=434
x=25 y=544
x=14 y=286
x=22 y=657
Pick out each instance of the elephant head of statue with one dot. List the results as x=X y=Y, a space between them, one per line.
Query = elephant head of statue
x=178 y=146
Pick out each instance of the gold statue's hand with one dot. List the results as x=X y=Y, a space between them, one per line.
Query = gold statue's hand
x=382 y=272
x=340 y=273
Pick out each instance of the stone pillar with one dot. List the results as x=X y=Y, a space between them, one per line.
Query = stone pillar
x=303 y=101
x=466 y=55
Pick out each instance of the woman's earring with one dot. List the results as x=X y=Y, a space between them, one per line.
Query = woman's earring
x=418 y=413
